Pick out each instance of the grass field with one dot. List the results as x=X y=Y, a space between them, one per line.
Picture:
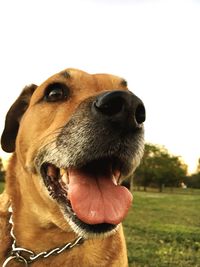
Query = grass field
x=164 y=230
x=1 y=187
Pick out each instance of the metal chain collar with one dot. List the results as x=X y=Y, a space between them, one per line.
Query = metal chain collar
x=18 y=253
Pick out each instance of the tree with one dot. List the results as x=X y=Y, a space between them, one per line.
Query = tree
x=145 y=172
x=158 y=168
x=2 y=172
x=193 y=180
x=198 y=166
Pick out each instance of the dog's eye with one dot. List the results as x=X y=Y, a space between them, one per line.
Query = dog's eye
x=56 y=92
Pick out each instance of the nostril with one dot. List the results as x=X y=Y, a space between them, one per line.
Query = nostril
x=122 y=107
x=111 y=107
x=140 y=114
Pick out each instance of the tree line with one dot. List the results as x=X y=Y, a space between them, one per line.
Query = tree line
x=160 y=169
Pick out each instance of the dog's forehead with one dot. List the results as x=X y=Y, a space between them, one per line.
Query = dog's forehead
x=99 y=80
x=80 y=81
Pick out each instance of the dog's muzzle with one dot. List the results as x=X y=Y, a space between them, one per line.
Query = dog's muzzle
x=83 y=167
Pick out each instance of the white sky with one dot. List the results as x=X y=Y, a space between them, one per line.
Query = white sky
x=155 y=45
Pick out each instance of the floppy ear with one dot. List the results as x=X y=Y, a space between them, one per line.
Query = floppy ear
x=13 y=118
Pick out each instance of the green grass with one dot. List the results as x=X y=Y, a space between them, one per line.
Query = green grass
x=1 y=187
x=163 y=230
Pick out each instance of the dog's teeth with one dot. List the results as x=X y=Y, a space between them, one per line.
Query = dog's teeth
x=62 y=172
x=114 y=180
x=116 y=177
x=50 y=188
x=65 y=179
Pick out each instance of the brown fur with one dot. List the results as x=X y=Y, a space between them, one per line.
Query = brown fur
x=39 y=224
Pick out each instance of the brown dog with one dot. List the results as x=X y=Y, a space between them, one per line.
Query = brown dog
x=74 y=138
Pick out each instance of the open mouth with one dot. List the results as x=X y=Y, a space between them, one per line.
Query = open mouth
x=91 y=195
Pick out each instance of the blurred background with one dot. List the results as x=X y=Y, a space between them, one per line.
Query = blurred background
x=155 y=46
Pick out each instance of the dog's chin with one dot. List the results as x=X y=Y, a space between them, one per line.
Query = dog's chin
x=88 y=230
x=57 y=182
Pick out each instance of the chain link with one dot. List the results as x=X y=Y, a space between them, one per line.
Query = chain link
x=16 y=253
x=56 y=251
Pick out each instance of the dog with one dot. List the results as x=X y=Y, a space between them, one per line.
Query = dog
x=74 y=139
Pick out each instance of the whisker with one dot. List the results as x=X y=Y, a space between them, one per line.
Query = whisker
x=52 y=140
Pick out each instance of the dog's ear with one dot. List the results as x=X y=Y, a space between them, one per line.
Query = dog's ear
x=13 y=118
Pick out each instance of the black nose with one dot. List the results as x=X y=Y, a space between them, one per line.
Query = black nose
x=120 y=106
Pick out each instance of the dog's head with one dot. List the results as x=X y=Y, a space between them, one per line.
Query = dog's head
x=81 y=135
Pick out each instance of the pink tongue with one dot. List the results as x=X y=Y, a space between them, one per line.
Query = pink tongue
x=97 y=200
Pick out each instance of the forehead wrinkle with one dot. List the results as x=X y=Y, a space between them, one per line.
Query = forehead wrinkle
x=109 y=82
x=65 y=74
x=124 y=82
